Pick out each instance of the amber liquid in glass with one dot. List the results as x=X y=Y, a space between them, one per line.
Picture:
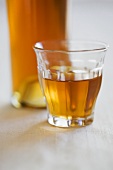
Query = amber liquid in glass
x=71 y=99
x=31 y=21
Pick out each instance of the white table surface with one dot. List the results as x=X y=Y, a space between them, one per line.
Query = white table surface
x=27 y=141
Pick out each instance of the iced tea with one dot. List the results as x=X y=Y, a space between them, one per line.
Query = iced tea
x=31 y=21
x=71 y=99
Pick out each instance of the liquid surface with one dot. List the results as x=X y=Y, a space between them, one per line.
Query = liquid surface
x=71 y=99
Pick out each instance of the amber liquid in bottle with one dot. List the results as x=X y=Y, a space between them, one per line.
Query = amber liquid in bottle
x=31 y=21
x=71 y=99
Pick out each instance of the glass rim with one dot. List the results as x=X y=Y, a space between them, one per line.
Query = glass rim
x=102 y=49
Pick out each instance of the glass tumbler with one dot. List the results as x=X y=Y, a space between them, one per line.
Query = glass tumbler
x=70 y=75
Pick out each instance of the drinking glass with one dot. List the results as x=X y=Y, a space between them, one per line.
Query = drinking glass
x=70 y=75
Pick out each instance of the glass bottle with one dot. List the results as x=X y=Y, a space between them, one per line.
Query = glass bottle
x=31 y=21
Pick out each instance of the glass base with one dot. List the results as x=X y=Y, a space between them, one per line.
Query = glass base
x=18 y=102
x=62 y=122
x=29 y=94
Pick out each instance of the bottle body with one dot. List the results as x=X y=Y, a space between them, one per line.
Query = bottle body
x=31 y=21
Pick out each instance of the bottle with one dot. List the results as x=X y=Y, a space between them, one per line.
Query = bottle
x=31 y=21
